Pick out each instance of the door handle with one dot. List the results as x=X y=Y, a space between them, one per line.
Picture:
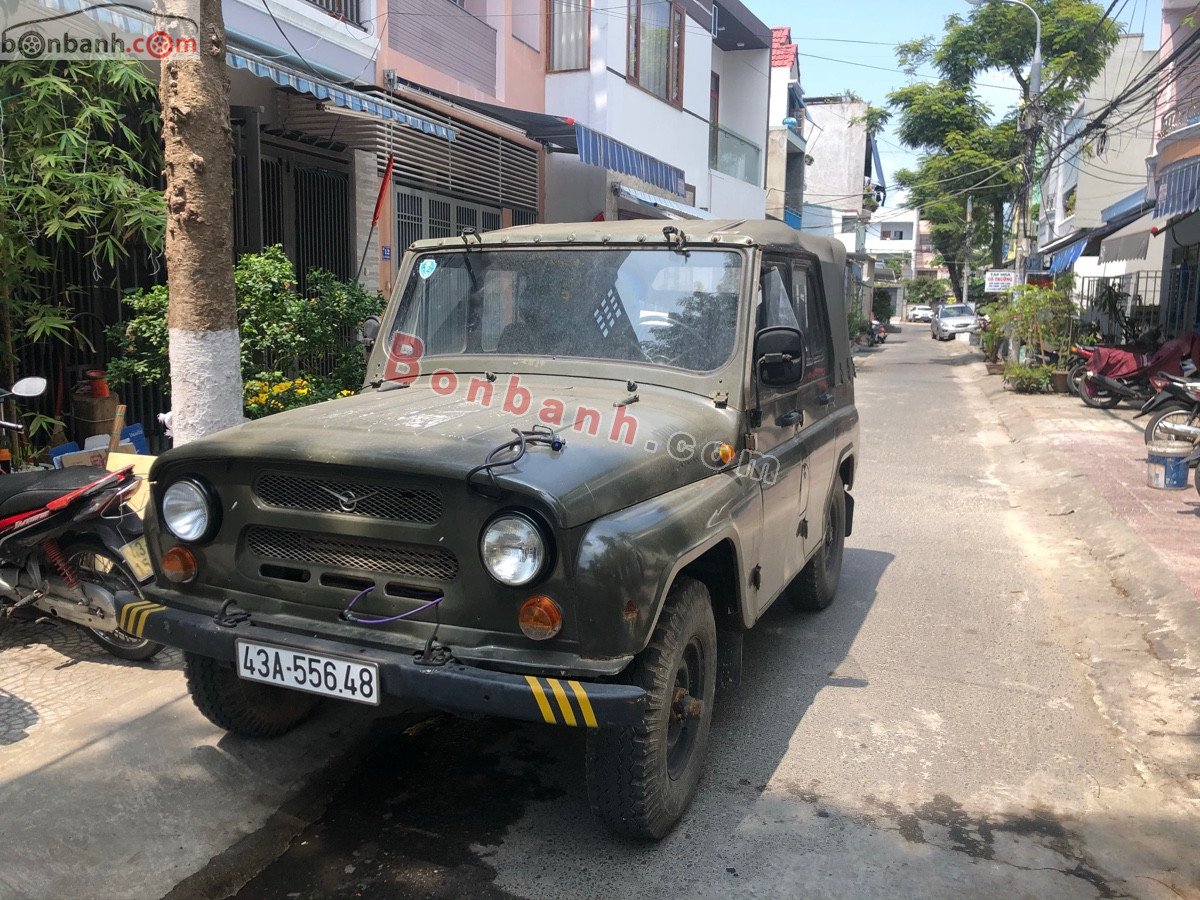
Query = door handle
x=795 y=417
x=826 y=398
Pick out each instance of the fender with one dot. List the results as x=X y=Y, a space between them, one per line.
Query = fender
x=628 y=560
x=1160 y=400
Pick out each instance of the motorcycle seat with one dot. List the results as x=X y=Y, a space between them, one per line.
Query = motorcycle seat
x=24 y=491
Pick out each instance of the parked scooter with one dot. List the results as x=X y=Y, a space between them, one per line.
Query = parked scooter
x=69 y=543
x=1114 y=375
x=879 y=331
x=1174 y=411
x=1145 y=342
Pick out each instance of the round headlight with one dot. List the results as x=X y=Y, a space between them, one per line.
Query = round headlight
x=186 y=511
x=513 y=550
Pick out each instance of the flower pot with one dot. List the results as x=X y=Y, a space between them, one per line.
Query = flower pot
x=994 y=368
x=99 y=382
x=1060 y=382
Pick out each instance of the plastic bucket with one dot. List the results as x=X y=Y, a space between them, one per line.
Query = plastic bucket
x=1165 y=465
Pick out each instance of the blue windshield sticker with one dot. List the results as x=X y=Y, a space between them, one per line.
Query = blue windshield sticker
x=427 y=267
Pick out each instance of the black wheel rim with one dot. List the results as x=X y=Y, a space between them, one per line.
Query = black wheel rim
x=684 y=723
x=831 y=549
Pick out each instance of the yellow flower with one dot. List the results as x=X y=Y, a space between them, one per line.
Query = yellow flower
x=300 y=392
x=260 y=399
x=345 y=393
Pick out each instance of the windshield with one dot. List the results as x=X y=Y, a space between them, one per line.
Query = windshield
x=650 y=305
x=948 y=311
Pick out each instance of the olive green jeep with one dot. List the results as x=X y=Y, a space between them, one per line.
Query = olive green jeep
x=586 y=458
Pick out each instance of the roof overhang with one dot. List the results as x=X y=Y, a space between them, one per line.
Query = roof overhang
x=739 y=29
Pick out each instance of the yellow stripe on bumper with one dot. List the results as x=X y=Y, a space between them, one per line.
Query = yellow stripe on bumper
x=563 y=703
x=540 y=696
x=130 y=611
x=139 y=618
x=585 y=705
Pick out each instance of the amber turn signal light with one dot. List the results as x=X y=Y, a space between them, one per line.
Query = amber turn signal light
x=725 y=454
x=179 y=565
x=540 y=618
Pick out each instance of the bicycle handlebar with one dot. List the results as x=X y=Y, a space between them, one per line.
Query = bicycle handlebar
x=11 y=426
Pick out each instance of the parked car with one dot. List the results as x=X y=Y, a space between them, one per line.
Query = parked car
x=586 y=458
x=952 y=319
x=920 y=313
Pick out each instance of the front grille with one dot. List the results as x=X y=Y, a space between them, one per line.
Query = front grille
x=320 y=494
x=354 y=554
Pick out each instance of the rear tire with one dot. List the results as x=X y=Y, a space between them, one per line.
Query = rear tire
x=101 y=566
x=1179 y=414
x=816 y=585
x=641 y=779
x=243 y=707
x=1097 y=397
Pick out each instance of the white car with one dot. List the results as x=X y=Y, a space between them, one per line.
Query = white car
x=952 y=319
x=920 y=313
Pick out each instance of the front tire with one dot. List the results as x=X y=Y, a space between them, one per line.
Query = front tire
x=641 y=779
x=243 y=707
x=1178 y=414
x=102 y=566
x=816 y=585
x=1097 y=397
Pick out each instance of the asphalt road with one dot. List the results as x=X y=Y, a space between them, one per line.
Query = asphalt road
x=934 y=733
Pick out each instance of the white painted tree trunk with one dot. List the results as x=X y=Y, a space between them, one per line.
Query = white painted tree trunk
x=206 y=381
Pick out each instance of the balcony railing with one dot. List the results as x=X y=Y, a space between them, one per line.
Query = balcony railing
x=1185 y=112
x=735 y=156
x=346 y=10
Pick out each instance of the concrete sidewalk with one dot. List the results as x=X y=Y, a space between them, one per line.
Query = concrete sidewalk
x=112 y=784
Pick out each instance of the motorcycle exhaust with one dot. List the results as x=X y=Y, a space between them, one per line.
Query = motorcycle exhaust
x=1191 y=432
x=1115 y=386
x=98 y=609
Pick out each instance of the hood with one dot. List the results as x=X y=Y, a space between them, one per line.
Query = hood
x=614 y=456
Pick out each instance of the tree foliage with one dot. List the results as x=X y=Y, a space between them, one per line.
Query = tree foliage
x=968 y=148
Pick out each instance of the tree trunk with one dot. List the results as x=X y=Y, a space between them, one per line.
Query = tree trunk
x=998 y=233
x=206 y=379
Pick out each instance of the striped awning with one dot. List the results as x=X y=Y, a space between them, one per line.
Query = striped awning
x=1065 y=258
x=598 y=149
x=1179 y=189
x=1129 y=243
x=334 y=94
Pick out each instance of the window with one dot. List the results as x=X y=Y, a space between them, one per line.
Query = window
x=569 y=35
x=655 y=45
x=814 y=324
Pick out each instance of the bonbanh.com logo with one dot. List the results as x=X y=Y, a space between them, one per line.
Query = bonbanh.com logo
x=99 y=30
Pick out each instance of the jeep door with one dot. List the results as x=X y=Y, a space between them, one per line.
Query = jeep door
x=780 y=467
x=817 y=400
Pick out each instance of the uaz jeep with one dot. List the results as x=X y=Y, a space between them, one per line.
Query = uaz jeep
x=585 y=459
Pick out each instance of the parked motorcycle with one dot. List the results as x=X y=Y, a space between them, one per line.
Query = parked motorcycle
x=879 y=331
x=1174 y=411
x=1146 y=342
x=1114 y=374
x=69 y=543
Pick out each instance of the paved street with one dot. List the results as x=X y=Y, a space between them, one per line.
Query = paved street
x=1000 y=703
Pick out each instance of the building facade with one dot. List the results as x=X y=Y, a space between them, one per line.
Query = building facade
x=786 y=141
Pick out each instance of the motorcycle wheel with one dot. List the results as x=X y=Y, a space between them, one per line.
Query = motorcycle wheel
x=1097 y=397
x=1179 y=414
x=106 y=568
x=1075 y=376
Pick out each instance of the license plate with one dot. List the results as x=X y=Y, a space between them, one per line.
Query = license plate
x=312 y=672
x=137 y=556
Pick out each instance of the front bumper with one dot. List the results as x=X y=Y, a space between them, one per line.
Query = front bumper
x=452 y=686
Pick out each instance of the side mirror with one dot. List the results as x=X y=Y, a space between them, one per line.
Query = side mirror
x=779 y=356
x=368 y=333
x=33 y=386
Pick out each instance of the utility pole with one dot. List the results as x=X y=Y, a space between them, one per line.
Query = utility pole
x=204 y=350
x=966 y=277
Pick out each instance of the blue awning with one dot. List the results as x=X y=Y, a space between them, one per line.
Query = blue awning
x=1066 y=257
x=356 y=101
x=1179 y=189
x=598 y=149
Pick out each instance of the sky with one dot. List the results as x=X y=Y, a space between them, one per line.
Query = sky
x=824 y=29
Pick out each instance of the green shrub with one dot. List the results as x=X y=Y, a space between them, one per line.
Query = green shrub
x=304 y=341
x=1027 y=379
